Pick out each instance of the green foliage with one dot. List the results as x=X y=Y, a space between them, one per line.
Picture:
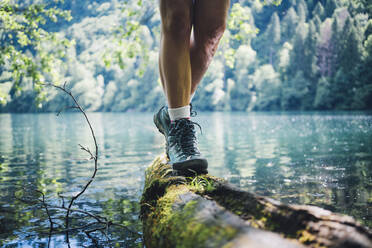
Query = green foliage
x=319 y=11
x=131 y=43
x=364 y=6
x=363 y=91
x=239 y=23
x=269 y=41
x=296 y=55
x=296 y=93
x=330 y=7
x=289 y=25
x=268 y=85
x=201 y=184
x=323 y=95
x=27 y=50
x=242 y=30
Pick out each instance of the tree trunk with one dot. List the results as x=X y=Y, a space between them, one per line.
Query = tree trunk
x=205 y=211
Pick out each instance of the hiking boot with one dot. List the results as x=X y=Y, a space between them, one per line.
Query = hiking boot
x=162 y=122
x=183 y=152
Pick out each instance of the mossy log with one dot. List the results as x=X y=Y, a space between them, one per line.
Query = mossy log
x=205 y=211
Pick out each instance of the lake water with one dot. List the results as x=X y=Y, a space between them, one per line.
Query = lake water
x=323 y=159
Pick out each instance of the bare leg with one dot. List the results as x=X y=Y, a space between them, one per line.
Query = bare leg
x=209 y=24
x=174 y=59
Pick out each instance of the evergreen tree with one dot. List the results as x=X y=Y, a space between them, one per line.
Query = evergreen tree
x=317 y=23
x=310 y=6
x=349 y=50
x=342 y=90
x=297 y=53
x=274 y=30
x=268 y=43
x=292 y=2
x=334 y=48
x=330 y=7
x=289 y=25
x=319 y=11
x=295 y=93
x=309 y=57
x=368 y=29
x=323 y=95
x=363 y=92
x=302 y=5
x=324 y=63
x=267 y=83
x=364 y=6
x=302 y=64
x=302 y=12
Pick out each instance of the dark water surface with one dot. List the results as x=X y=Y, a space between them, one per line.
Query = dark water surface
x=324 y=159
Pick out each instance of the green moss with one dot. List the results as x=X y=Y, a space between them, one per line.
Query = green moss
x=201 y=184
x=166 y=227
x=259 y=214
x=179 y=228
x=157 y=178
x=305 y=237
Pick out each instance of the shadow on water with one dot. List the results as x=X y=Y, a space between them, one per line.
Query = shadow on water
x=318 y=159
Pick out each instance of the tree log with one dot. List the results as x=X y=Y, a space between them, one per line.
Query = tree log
x=205 y=211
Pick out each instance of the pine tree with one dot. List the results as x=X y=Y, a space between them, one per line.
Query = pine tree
x=319 y=11
x=302 y=12
x=368 y=29
x=309 y=58
x=295 y=93
x=323 y=95
x=349 y=50
x=342 y=90
x=289 y=25
x=303 y=64
x=334 y=48
x=363 y=91
x=273 y=36
x=269 y=42
x=330 y=7
x=302 y=4
x=292 y=2
x=317 y=23
x=274 y=28
x=297 y=53
x=310 y=5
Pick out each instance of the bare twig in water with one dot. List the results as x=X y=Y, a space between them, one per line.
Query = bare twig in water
x=98 y=218
x=100 y=223
x=46 y=208
x=93 y=155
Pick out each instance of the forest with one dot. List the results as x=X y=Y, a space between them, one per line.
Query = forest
x=290 y=55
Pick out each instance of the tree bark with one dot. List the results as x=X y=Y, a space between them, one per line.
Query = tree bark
x=205 y=211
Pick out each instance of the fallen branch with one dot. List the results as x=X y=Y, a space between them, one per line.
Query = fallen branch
x=206 y=211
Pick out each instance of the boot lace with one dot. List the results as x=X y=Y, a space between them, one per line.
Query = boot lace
x=183 y=132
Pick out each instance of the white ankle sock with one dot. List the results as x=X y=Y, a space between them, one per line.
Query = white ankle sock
x=179 y=113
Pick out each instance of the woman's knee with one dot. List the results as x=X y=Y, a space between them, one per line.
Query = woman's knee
x=209 y=38
x=176 y=18
x=214 y=32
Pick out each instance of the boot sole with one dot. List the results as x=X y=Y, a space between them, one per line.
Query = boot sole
x=193 y=166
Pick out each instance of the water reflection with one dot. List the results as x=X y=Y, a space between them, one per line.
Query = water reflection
x=320 y=159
